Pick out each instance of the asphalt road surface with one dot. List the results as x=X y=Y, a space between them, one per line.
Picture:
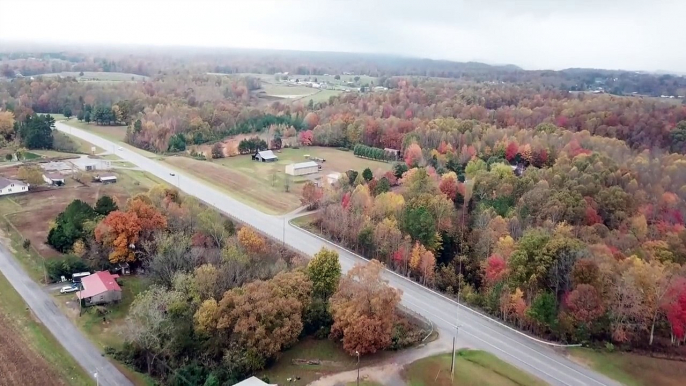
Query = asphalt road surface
x=475 y=330
x=85 y=353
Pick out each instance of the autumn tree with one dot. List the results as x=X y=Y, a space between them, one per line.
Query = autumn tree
x=449 y=185
x=262 y=317
x=6 y=126
x=363 y=309
x=311 y=195
x=585 y=304
x=324 y=271
x=212 y=224
x=31 y=174
x=306 y=137
x=251 y=240
x=413 y=156
x=119 y=231
x=149 y=218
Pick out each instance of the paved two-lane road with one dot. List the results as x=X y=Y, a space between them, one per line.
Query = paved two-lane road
x=85 y=353
x=476 y=330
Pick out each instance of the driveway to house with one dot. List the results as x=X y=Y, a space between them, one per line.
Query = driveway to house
x=475 y=329
x=85 y=353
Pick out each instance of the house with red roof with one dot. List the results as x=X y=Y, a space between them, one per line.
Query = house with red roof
x=99 y=288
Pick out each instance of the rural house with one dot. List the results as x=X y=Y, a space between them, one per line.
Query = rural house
x=302 y=168
x=55 y=179
x=8 y=186
x=265 y=156
x=99 y=288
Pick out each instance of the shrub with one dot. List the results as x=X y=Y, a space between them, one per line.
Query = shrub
x=26 y=244
x=65 y=266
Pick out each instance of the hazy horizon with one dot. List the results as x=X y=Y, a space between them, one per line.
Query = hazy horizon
x=534 y=35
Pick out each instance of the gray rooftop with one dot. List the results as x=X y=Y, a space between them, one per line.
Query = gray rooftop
x=303 y=165
x=267 y=154
x=5 y=182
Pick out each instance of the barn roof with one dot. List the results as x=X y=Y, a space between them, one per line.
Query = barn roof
x=267 y=154
x=303 y=165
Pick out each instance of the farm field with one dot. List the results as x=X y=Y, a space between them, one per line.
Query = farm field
x=29 y=355
x=113 y=133
x=282 y=90
x=262 y=184
x=477 y=368
x=90 y=76
x=632 y=369
x=320 y=96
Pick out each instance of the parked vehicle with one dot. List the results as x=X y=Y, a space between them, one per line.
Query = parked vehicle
x=68 y=289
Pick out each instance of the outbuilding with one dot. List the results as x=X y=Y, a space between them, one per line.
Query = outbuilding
x=9 y=186
x=265 y=156
x=55 y=179
x=302 y=168
x=99 y=288
x=106 y=178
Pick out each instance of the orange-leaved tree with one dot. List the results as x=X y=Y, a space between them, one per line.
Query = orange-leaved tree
x=251 y=241
x=363 y=309
x=119 y=231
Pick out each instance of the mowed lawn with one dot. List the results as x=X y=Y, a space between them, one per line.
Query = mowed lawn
x=472 y=368
x=92 y=76
x=632 y=369
x=261 y=184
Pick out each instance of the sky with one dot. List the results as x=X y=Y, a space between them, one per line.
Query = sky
x=644 y=35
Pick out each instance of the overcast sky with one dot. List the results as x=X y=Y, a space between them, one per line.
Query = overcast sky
x=534 y=34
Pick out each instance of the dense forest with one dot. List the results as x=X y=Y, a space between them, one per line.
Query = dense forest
x=560 y=212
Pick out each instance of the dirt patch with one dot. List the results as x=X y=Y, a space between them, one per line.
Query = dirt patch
x=19 y=365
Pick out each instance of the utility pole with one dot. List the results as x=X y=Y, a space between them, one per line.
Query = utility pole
x=283 y=239
x=358 y=367
x=97 y=381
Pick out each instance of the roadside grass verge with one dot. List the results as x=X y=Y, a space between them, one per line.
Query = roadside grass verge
x=472 y=367
x=632 y=369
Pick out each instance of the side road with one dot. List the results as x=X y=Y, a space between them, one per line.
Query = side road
x=85 y=353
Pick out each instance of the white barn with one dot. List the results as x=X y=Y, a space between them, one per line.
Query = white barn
x=8 y=186
x=302 y=168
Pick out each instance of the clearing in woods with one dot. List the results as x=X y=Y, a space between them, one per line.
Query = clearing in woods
x=261 y=184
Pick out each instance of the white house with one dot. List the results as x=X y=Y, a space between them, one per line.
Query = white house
x=53 y=179
x=302 y=168
x=8 y=186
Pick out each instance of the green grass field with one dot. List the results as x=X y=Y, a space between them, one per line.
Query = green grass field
x=321 y=96
x=261 y=184
x=477 y=368
x=287 y=91
x=632 y=369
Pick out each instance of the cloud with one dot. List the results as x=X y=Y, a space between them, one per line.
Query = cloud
x=535 y=34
